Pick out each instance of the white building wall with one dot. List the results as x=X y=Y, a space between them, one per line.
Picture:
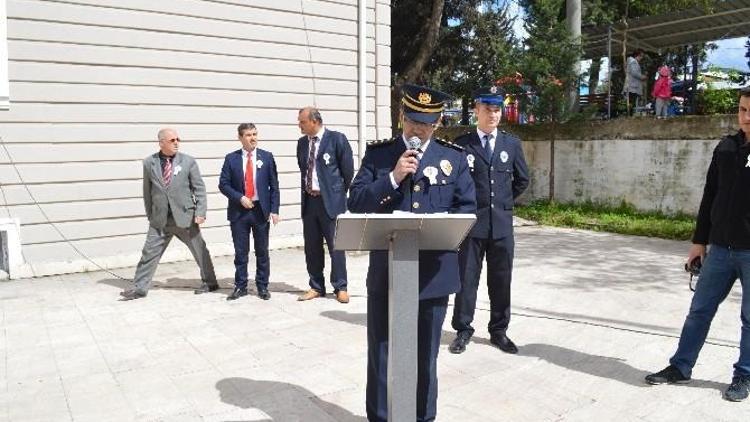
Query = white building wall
x=92 y=81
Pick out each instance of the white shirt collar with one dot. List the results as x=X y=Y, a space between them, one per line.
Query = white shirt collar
x=319 y=134
x=492 y=135
x=246 y=152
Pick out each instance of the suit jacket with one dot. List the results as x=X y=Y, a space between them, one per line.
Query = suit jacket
x=453 y=192
x=334 y=174
x=498 y=179
x=185 y=196
x=232 y=183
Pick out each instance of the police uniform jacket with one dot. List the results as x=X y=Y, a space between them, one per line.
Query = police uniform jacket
x=334 y=165
x=499 y=180
x=451 y=191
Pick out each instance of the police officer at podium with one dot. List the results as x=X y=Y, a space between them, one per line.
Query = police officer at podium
x=415 y=173
x=497 y=165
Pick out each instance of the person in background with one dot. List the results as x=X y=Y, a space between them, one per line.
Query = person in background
x=662 y=92
x=250 y=182
x=326 y=165
x=633 y=87
x=498 y=167
x=723 y=223
x=174 y=197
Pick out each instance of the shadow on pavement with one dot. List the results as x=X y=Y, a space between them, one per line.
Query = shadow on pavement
x=172 y=283
x=600 y=366
x=279 y=400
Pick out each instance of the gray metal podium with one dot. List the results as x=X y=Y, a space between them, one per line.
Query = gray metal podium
x=403 y=235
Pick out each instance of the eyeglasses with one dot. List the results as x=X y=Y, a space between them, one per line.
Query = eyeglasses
x=171 y=140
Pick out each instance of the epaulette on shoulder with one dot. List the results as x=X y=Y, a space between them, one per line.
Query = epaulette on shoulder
x=449 y=144
x=509 y=134
x=380 y=142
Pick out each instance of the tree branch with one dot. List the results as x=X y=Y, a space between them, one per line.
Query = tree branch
x=431 y=30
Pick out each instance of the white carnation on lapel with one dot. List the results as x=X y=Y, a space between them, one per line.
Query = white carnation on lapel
x=177 y=170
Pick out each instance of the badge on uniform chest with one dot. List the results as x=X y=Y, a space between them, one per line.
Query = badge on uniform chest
x=431 y=174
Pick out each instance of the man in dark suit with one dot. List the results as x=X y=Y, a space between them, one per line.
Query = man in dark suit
x=498 y=167
x=326 y=168
x=250 y=182
x=433 y=179
x=175 y=200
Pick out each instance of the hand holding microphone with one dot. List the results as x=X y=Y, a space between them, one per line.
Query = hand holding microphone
x=408 y=163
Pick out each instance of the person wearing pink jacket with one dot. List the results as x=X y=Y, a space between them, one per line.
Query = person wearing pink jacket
x=662 y=92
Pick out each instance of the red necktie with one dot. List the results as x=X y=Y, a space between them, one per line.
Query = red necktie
x=249 y=185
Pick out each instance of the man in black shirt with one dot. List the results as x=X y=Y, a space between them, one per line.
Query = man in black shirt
x=724 y=223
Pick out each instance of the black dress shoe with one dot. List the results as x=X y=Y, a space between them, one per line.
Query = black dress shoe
x=132 y=294
x=205 y=288
x=458 y=345
x=503 y=343
x=264 y=294
x=237 y=293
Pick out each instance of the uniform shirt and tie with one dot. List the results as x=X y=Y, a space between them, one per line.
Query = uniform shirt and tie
x=488 y=141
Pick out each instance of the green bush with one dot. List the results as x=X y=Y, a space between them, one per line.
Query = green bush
x=717 y=101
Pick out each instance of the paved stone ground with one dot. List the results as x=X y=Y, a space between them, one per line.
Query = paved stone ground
x=593 y=314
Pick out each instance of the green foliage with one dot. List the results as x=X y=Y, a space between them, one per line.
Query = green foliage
x=476 y=45
x=624 y=219
x=547 y=59
x=717 y=101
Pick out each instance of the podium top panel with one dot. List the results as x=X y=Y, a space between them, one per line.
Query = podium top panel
x=372 y=232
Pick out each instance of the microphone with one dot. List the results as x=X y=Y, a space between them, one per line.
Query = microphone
x=414 y=143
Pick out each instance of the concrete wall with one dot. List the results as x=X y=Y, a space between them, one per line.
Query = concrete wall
x=654 y=165
x=91 y=82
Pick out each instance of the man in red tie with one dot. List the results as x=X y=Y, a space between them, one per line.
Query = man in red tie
x=250 y=182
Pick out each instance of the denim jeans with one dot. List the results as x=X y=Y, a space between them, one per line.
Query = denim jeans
x=721 y=268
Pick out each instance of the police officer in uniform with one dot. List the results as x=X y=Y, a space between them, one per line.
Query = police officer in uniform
x=497 y=165
x=426 y=176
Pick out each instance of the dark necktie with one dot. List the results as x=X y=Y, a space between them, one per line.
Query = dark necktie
x=310 y=165
x=166 y=172
x=488 y=146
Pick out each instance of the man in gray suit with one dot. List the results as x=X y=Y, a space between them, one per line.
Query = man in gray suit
x=175 y=199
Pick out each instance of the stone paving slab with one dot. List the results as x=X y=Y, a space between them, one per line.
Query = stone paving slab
x=593 y=314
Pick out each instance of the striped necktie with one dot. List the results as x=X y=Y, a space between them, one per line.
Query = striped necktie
x=166 y=171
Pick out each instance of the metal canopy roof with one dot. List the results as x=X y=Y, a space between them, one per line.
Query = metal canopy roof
x=727 y=19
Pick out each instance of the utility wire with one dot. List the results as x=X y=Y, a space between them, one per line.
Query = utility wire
x=48 y=220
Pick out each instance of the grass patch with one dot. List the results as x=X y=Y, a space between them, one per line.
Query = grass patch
x=624 y=219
